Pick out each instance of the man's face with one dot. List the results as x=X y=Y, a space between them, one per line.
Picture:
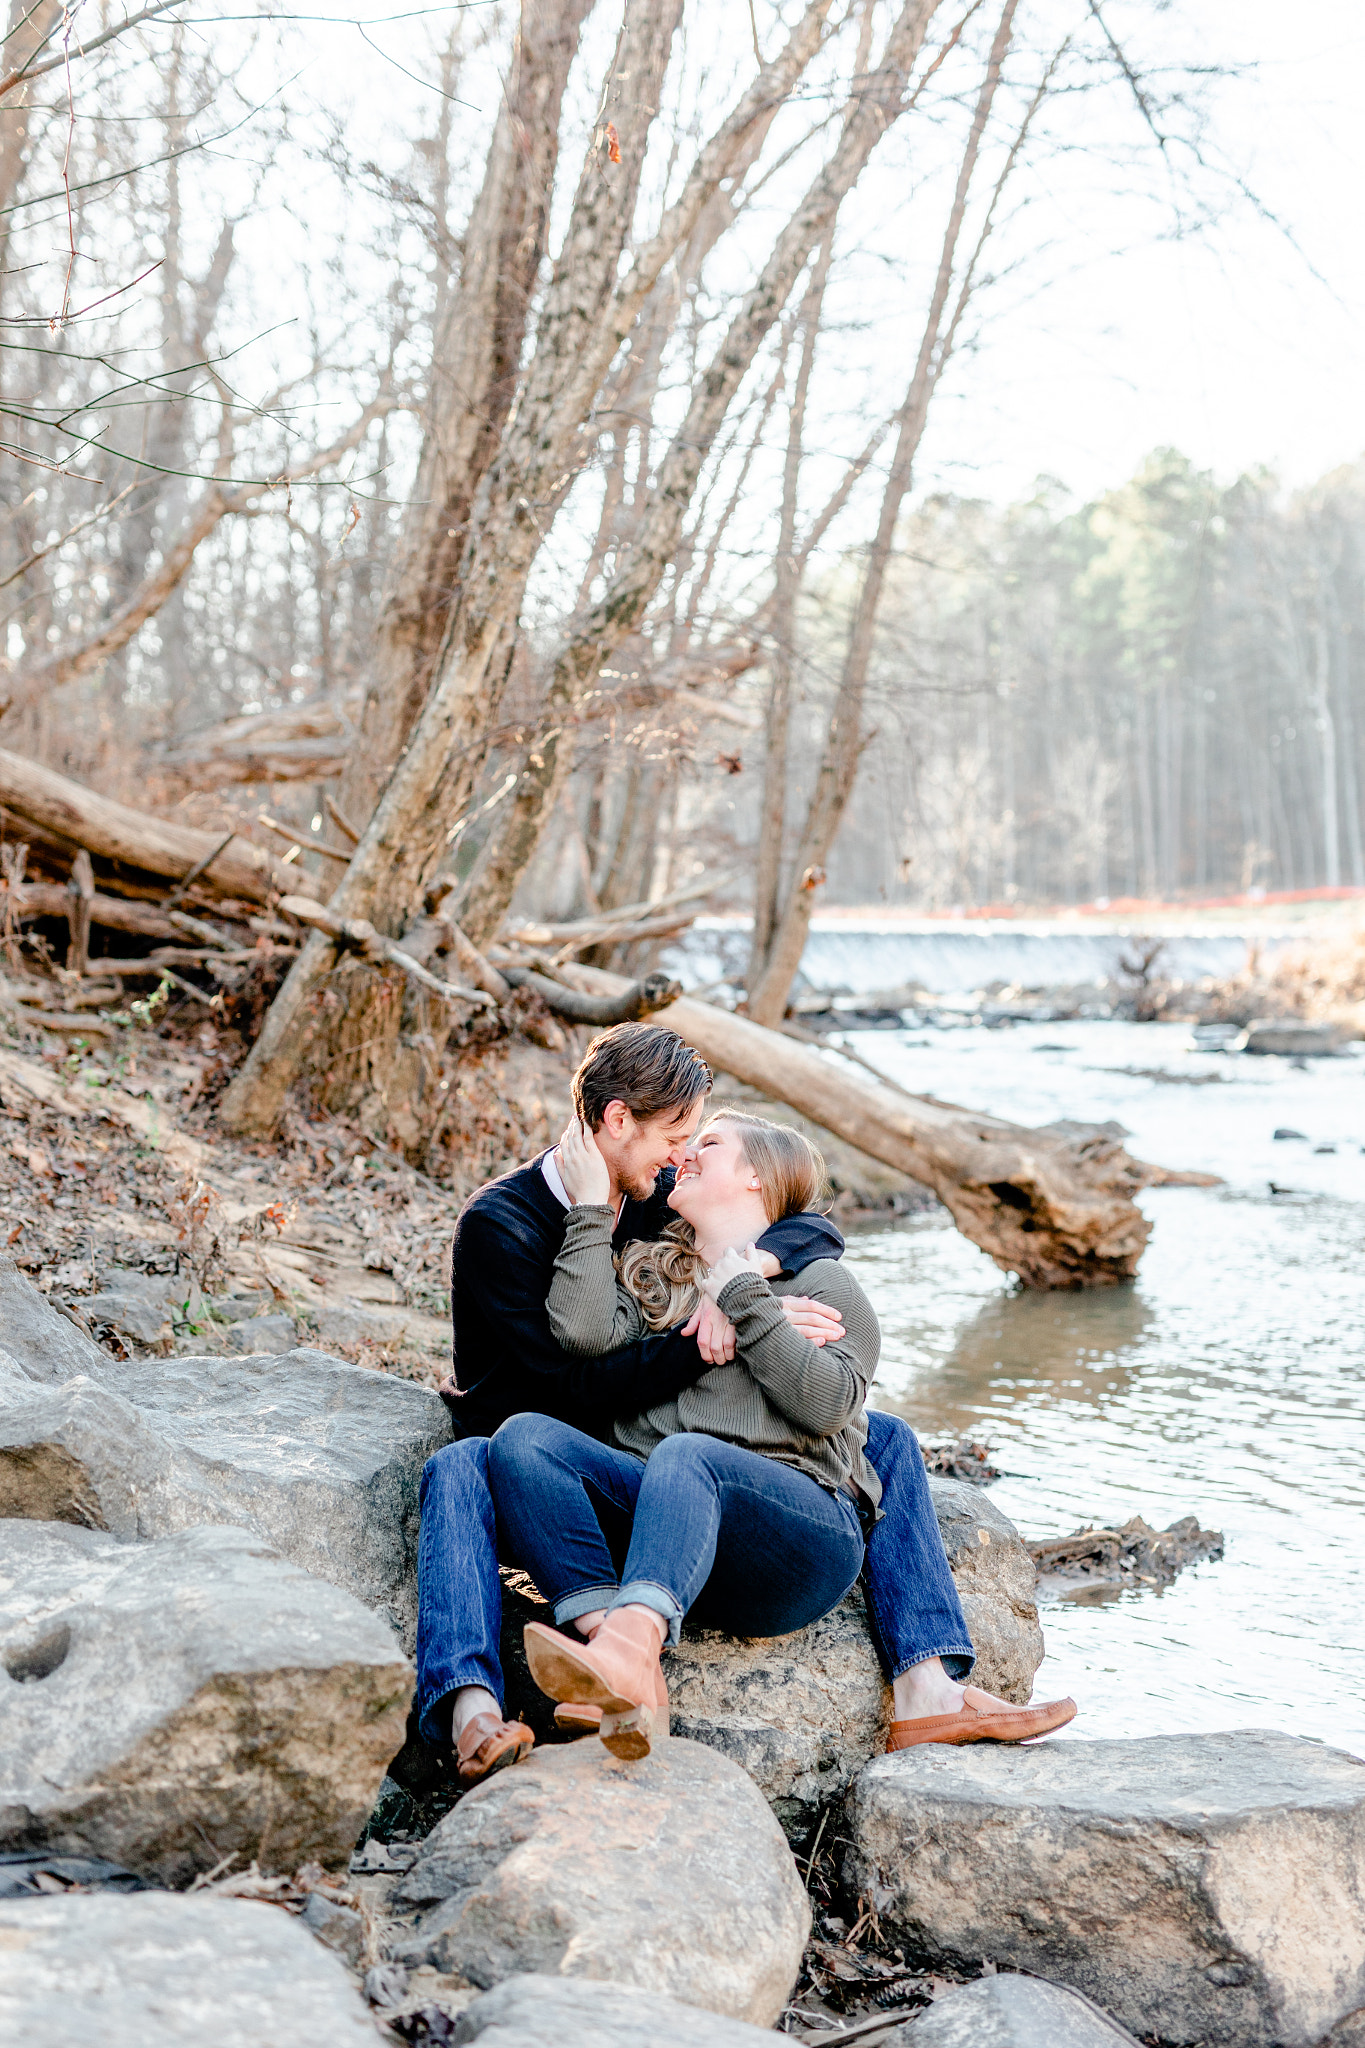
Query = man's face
x=637 y=1151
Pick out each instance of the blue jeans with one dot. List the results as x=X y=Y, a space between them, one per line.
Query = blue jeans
x=749 y=1545
x=912 y=1603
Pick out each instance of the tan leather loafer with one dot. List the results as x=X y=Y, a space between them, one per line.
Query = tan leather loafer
x=487 y=1744
x=617 y=1671
x=577 y=1717
x=982 y=1718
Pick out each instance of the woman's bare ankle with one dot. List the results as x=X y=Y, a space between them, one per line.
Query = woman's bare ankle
x=638 y=1607
x=588 y=1624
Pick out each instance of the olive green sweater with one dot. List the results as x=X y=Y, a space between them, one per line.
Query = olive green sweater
x=783 y=1396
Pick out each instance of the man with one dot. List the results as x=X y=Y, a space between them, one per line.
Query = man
x=642 y=1091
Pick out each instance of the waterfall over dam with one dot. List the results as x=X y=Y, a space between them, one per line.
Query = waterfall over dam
x=955 y=957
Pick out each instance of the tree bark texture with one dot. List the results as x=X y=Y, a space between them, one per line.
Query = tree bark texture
x=1054 y=1206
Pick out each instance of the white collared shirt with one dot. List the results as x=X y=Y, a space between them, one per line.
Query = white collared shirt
x=554 y=1181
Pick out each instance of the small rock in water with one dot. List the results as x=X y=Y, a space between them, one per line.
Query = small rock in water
x=161 y=1970
x=1201 y=1888
x=1134 y=1555
x=964 y=1459
x=1288 y=1036
x=1283 y=1131
x=1007 y=2011
x=542 y=2010
x=669 y=1874
x=1324 y=1148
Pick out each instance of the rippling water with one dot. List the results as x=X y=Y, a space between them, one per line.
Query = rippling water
x=1228 y=1382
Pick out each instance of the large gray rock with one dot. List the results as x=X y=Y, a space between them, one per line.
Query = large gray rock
x=803 y=1713
x=1201 y=1888
x=155 y=1970
x=670 y=1875
x=556 y=2012
x=1012 y=2012
x=320 y=1458
x=167 y=1704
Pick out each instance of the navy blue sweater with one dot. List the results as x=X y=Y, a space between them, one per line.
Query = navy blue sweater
x=506 y=1358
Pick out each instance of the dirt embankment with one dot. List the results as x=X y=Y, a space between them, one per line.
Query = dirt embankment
x=125 y=1205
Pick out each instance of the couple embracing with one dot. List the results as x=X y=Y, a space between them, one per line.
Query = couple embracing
x=659 y=1395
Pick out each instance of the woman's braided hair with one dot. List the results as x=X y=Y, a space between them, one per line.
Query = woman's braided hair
x=665 y=1275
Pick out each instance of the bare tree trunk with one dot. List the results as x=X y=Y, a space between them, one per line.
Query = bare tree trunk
x=590 y=308
x=474 y=371
x=772 y=817
x=622 y=607
x=842 y=752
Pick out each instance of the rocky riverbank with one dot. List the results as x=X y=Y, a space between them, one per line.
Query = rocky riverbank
x=206 y=1609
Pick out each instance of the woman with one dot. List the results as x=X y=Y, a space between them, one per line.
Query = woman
x=750 y=1488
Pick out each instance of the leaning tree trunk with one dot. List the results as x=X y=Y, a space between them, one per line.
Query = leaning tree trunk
x=590 y=308
x=473 y=380
x=1053 y=1205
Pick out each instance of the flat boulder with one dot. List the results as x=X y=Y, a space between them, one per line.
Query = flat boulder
x=1200 y=1888
x=803 y=1713
x=669 y=1875
x=157 y=1970
x=320 y=1458
x=167 y=1704
x=1012 y=2012
x=535 y=2012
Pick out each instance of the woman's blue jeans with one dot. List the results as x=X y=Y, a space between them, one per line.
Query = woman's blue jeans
x=754 y=1547
x=912 y=1603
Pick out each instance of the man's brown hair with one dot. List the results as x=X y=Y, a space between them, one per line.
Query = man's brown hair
x=645 y=1066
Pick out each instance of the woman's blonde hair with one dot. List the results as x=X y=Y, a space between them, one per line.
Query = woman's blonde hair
x=665 y=1275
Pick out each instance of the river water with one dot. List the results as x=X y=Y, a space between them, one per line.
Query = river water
x=1227 y=1382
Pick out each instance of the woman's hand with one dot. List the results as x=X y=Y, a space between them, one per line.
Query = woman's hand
x=731 y=1263
x=582 y=1168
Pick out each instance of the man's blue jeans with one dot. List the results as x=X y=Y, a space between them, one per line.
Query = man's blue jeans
x=911 y=1600
x=746 y=1544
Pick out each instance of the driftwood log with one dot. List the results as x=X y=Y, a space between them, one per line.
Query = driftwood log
x=635 y=999
x=115 y=913
x=1054 y=1206
x=72 y=815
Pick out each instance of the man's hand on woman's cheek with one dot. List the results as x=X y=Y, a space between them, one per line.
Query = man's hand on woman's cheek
x=813 y=1319
x=714 y=1332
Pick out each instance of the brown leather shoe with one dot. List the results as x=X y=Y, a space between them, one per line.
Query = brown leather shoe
x=577 y=1717
x=487 y=1744
x=617 y=1671
x=982 y=1718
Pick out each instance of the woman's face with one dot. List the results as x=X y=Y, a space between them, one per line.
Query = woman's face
x=715 y=1176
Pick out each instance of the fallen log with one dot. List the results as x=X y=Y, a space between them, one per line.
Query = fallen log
x=76 y=816
x=635 y=999
x=1135 y=1554
x=1054 y=1206
x=306 y=743
x=115 y=913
